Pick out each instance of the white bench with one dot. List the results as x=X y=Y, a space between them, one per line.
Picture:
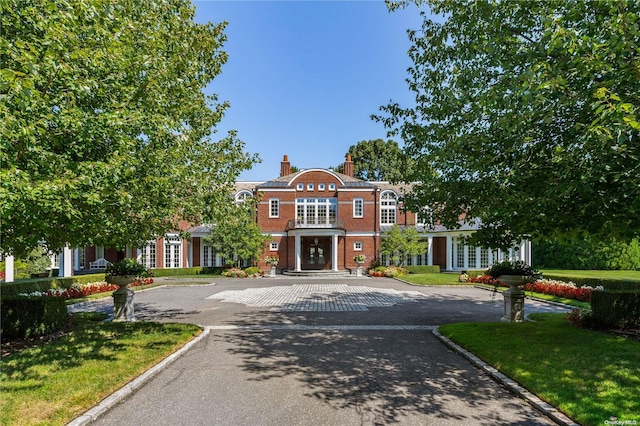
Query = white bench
x=99 y=264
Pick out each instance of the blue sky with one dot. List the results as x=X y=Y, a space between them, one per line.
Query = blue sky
x=304 y=77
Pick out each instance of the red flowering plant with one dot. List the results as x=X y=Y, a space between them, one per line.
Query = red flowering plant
x=562 y=289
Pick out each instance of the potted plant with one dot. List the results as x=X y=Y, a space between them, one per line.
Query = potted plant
x=514 y=273
x=122 y=274
x=125 y=272
x=359 y=258
x=272 y=261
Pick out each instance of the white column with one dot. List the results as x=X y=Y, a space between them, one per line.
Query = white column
x=466 y=257
x=449 y=252
x=67 y=265
x=430 y=251
x=334 y=252
x=8 y=269
x=297 y=253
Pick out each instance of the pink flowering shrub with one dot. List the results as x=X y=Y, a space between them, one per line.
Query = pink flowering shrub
x=84 y=290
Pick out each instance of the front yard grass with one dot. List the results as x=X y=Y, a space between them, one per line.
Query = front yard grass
x=58 y=381
x=616 y=275
x=589 y=375
x=433 y=279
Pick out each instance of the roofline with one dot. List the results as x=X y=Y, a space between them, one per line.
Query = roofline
x=331 y=172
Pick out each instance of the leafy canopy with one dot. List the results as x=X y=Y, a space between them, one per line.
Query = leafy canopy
x=106 y=134
x=526 y=117
x=398 y=243
x=377 y=160
x=237 y=236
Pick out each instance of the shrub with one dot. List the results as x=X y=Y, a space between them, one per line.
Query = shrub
x=42 y=285
x=171 y=272
x=616 y=308
x=127 y=267
x=586 y=254
x=512 y=267
x=253 y=271
x=234 y=273
x=32 y=316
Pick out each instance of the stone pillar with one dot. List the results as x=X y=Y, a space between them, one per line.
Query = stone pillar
x=123 y=304
x=8 y=269
x=513 y=305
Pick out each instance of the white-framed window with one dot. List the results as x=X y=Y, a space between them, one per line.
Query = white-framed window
x=358 y=207
x=99 y=252
x=274 y=207
x=243 y=196
x=332 y=187
x=357 y=246
x=310 y=187
x=208 y=255
x=316 y=212
x=300 y=187
x=484 y=257
x=273 y=246
x=81 y=257
x=322 y=187
x=172 y=251
x=388 y=204
x=147 y=254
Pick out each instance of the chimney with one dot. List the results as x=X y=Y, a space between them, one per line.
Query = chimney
x=348 y=166
x=285 y=166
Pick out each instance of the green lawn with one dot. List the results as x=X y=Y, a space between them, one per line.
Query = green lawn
x=432 y=279
x=618 y=275
x=56 y=382
x=590 y=376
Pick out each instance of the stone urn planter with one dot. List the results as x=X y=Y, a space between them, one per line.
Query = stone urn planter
x=359 y=259
x=514 y=273
x=123 y=274
x=272 y=261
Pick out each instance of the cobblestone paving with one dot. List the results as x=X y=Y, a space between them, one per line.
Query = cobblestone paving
x=318 y=297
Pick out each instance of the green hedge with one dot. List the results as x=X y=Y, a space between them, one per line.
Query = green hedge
x=44 y=284
x=607 y=283
x=616 y=308
x=435 y=269
x=581 y=253
x=196 y=270
x=32 y=316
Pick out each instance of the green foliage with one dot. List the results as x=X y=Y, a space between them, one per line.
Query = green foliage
x=237 y=236
x=106 y=135
x=234 y=273
x=377 y=160
x=586 y=253
x=32 y=316
x=435 y=269
x=252 y=271
x=525 y=117
x=512 y=267
x=38 y=262
x=127 y=267
x=32 y=285
x=196 y=270
x=616 y=308
x=398 y=243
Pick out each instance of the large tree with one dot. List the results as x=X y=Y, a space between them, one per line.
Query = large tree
x=106 y=131
x=398 y=243
x=526 y=117
x=377 y=160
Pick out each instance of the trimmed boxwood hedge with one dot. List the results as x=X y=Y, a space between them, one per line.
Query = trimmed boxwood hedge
x=607 y=283
x=616 y=308
x=196 y=270
x=32 y=316
x=29 y=286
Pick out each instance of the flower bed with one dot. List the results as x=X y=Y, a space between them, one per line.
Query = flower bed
x=568 y=290
x=84 y=290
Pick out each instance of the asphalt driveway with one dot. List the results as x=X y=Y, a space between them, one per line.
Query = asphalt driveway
x=320 y=352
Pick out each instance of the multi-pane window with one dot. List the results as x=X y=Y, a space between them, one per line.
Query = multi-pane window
x=316 y=211
x=357 y=246
x=332 y=187
x=273 y=246
x=243 y=196
x=81 y=258
x=358 y=207
x=274 y=207
x=208 y=255
x=147 y=254
x=471 y=258
x=459 y=255
x=484 y=258
x=172 y=251
x=388 y=203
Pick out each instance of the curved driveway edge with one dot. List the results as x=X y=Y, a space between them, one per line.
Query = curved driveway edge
x=549 y=410
x=128 y=389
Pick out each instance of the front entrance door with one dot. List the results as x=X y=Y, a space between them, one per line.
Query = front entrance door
x=316 y=253
x=439 y=250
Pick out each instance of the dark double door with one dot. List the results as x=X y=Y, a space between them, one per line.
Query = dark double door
x=316 y=253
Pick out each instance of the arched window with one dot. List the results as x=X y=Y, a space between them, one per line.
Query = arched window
x=243 y=196
x=388 y=205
